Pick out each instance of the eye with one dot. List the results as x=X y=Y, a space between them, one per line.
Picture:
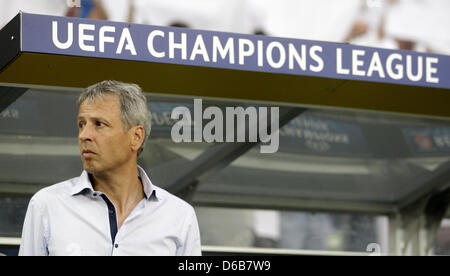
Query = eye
x=81 y=124
x=100 y=124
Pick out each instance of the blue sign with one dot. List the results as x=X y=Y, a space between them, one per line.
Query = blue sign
x=114 y=40
x=428 y=140
x=308 y=133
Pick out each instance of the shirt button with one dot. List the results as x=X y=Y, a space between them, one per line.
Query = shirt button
x=116 y=245
x=111 y=212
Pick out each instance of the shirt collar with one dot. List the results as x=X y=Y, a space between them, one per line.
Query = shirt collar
x=149 y=188
x=84 y=183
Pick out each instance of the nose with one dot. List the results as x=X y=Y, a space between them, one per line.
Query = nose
x=86 y=133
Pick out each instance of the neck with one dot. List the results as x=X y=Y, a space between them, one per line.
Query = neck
x=122 y=186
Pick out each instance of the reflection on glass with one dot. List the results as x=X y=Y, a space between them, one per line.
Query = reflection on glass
x=327 y=161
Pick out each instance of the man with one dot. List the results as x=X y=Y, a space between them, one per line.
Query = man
x=112 y=208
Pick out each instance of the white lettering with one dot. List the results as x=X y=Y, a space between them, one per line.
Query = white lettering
x=357 y=62
x=339 y=68
x=431 y=70
x=260 y=54
x=213 y=130
x=375 y=65
x=199 y=49
x=150 y=46
x=216 y=124
x=181 y=45
x=56 y=42
x=126 y=38
x=243 y=52
x=300 y=59
x=198 y=120
x=316 y=58
x=103 y=38
x=240 y=113
x=82 y=37
x=273 y=138
x=409 y=72
x=223 y=51
x=269 y=54
x=183 y=125
x=399 y=67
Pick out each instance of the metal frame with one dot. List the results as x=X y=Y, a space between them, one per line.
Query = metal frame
x=436 y=185
x=412 y=229
x=218 y=157
x=8 y=95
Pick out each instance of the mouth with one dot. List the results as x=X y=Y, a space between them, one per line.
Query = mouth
x=87 y=153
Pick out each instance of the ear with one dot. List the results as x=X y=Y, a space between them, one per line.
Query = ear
x=137 y=135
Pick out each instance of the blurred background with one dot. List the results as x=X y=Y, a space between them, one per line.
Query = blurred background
x=325 y=156
x=419 y=25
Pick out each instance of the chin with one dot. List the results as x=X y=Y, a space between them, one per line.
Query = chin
x=90 y=168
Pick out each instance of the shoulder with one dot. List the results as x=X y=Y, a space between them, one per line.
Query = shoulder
x=173 y=201
x=59 y=189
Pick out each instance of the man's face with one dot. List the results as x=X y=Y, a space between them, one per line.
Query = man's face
x=104 y=144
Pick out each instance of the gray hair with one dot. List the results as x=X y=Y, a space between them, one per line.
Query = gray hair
x=133 y=104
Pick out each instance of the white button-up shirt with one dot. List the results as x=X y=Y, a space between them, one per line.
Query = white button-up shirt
x=70 y=218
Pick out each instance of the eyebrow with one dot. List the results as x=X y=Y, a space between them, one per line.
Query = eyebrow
x=93 y=119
